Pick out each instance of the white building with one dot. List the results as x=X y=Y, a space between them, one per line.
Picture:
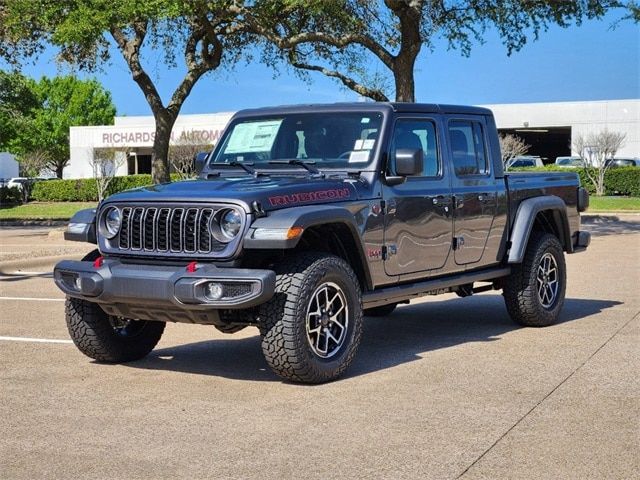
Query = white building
x=133 y=136
x=547 y=127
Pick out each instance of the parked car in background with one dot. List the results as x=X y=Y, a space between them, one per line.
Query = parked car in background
x=568 y=162
x=623 y=162
x=526 y=161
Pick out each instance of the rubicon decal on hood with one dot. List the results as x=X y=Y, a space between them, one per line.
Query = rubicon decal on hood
x=303 y=197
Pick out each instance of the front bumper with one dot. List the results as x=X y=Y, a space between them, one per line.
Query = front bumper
x=166 y=293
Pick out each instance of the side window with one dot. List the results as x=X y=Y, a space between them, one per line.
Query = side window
x=468 y=148
x=417 y=135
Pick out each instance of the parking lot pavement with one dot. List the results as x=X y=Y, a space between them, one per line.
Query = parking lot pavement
x=443 y=388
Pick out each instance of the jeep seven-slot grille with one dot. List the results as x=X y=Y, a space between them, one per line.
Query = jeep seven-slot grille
x=167 y=230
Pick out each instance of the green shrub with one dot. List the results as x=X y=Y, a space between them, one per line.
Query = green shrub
x=84 y=189
x=10 y=196
x=617 y=181
x=623 y=181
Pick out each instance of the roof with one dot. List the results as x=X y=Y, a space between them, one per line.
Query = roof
x=366 y=107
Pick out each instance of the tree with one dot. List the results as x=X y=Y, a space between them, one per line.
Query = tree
x=182 y=156
x=65 y=102
x=594 y=150
x=105 y=165
x=34 y=162
x=333 y=36
x=511 y=146
x=17 y=100
x=205 y=32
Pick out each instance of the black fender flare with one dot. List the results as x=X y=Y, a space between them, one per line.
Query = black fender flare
x=82 y=227
x=306 y=216
x=525 y=218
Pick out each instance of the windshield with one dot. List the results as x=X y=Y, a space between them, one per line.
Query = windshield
x=326 y=140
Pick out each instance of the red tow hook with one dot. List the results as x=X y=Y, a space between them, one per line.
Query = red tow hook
x=192 y=267
x=98 y=262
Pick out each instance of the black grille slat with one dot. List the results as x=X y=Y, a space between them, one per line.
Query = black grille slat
x=190 y=230
x=149 y=229
x=204 y=235
x=124 y=230
x=176 y=230
x=169 y=230
x=136 y=228
x=162 y=229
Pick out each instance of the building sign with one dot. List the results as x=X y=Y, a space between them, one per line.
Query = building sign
x=129 y=137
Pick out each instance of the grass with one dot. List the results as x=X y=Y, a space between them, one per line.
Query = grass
x=43 y=211
x=614 y=204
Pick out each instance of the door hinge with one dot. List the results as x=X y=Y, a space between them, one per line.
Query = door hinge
x=383 y=207
x=458 y=242
x=384 y=252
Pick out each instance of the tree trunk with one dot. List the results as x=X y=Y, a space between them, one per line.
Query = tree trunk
x=160 y=160
x=59 y=169
x=405 y=83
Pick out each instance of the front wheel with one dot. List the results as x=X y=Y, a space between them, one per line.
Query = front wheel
x=534 y=292
x=107 y=338
x=313 y=324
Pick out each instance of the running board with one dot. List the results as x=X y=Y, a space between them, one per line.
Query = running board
x=399 y=293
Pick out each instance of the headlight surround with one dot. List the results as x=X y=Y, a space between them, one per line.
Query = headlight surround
x=226 y=225
x=110 y=222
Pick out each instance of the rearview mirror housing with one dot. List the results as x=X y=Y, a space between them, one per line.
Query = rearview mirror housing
x=409 y=162
x=200 y=160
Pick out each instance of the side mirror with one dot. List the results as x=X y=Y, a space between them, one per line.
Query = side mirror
x=409 y=162
x=200 y=161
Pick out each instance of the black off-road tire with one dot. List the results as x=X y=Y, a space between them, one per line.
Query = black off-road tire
x=521 y=287
x=92 y=332
x=381 y=311
x=283 y=319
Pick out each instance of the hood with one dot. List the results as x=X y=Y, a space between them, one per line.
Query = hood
x=271 y=191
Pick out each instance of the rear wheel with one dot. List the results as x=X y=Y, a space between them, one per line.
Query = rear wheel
x=534 y=292
x=107 y=338
x=313 y=324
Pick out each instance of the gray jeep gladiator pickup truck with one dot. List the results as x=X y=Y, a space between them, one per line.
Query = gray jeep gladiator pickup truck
x=305 y=219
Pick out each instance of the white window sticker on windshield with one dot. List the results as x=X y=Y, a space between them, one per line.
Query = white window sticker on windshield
x=253 y=136
x=359 y=156
x=368 y=144
x=358 y=145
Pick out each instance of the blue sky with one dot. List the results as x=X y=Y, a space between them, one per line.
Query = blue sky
x=590 y=62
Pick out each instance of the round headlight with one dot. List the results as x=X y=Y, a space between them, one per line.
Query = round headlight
x=111 y=222
x=230 y=223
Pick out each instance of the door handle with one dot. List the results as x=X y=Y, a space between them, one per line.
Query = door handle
x=441 y=200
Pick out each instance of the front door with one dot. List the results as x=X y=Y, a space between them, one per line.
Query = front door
x=418 y=219
x=474 y=189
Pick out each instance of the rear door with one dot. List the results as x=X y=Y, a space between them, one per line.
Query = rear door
x=474 y=188
x=418 y=220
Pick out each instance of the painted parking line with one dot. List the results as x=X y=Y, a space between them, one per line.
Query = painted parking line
x=22 y=272
x=34 y=299
x=34 y=340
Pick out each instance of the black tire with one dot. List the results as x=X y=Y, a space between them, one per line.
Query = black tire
x=106 y=338
x=381 y=311
x=290 y=349
x=525 y=304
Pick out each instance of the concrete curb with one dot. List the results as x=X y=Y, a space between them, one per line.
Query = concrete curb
x=11 y=266
x=33 y=223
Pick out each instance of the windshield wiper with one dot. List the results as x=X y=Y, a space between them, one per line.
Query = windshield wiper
x=246 y=166
x=308 y=165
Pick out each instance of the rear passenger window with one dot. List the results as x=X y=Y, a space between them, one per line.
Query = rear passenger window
x=467 y=146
